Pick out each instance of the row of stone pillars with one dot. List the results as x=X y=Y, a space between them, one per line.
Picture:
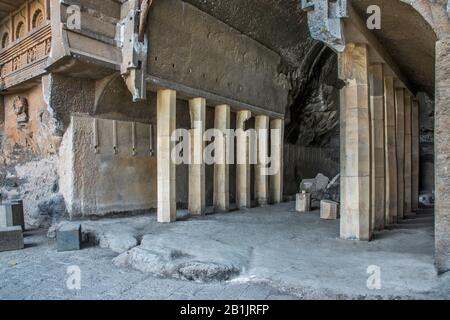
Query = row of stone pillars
x=166 y=172
x=379 y=146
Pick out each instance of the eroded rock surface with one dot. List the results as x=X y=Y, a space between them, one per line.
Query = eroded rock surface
x=192 y=258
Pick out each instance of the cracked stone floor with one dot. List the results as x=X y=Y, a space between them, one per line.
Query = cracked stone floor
x=280 y=254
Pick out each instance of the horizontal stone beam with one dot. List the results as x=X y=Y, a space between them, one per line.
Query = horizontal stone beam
x=186 y=93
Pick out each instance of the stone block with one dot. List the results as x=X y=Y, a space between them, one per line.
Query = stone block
x=11 y=238
x=303 y=203
x=329 y=210
x=11 y=214
x=68 y=237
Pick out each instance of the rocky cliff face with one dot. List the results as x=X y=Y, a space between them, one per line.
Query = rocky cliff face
x=313 y=115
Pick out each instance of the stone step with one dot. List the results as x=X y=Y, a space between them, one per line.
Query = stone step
x=417 y=220
x=412 y=226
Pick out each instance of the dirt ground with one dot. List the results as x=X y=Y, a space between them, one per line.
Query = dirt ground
x=262 y=253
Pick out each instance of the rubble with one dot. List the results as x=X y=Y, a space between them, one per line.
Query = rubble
x=321 y=188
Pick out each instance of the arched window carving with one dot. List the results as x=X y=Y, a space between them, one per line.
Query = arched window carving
x=20 y=30
x=38 y=18
x=5 y=40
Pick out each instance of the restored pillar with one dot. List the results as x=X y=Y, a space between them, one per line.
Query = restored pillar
x=355 y=144
x=442 y=159
x=261 y=177
x=277 y=143
x=415 y=153
x=221 y=167
x=408 y=155
x=391 y=151
x=243 y=180
x=166 y=175
x=197 y=201
x=378 y=187
x=400 y=128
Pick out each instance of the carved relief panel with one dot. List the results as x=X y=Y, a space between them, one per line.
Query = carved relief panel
x=20 y=107
x=29 y=16
x=25 y=42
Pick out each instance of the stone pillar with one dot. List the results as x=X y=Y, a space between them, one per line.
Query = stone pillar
x=400 y=129
x=391 y=151
x=415 y=134
x=221 y=167
x=355 y=144
x=243 y=179
x=408 y=155
x=197 y=201
x=261 y=177
x=277 y=143
x=166 y=175
x=378 y=187
x=442 y=159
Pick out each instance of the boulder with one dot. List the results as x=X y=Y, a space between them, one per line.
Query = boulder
x=316 y=187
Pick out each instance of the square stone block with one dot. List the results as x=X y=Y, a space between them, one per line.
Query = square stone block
x=11 y=238
x=329 y=210
x=68 y=237
x=303 y=203
x=11 y=214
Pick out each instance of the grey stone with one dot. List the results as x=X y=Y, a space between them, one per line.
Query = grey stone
x=316 y=187
x=53 y=207
x=333 y=190
x=68 y=237
x=308 y=185
x=118 y=242
x=303 y=202
x=322 y=182
x=11 y=214
x=329 y=210
x=192 y=258
x=11 y=238
x=324 y=25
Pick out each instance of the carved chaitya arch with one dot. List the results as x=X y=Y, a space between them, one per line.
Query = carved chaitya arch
x=5 y=40
x=20 y=30
x=37 y=13
x=37 y=19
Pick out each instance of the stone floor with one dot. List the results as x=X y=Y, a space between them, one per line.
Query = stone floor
x=265 y=253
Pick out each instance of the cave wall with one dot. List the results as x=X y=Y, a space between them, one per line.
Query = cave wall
x=260 y=56
x=190 y=47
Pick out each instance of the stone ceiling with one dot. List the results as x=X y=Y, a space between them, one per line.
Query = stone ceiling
x=7 y=6
x=282 y=26
x=408 y=39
